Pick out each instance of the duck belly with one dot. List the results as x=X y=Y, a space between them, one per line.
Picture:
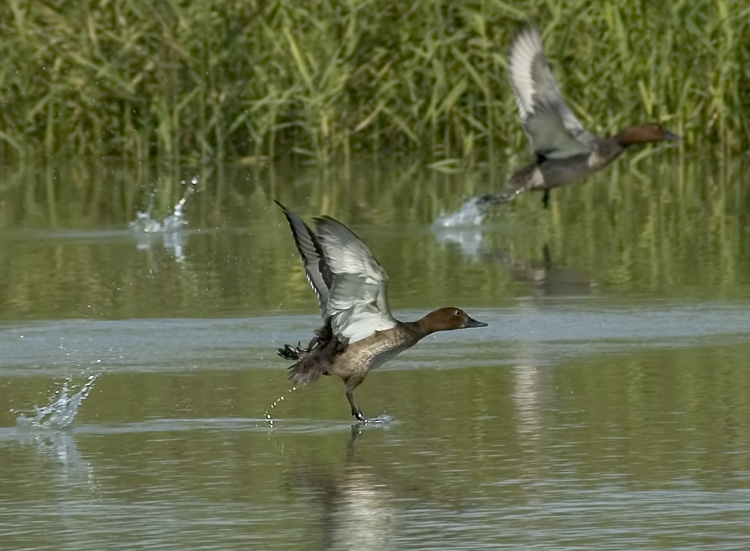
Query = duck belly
x=562 y=172
x=370 y=353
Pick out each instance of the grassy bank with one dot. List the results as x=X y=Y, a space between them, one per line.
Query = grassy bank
x=230 y=80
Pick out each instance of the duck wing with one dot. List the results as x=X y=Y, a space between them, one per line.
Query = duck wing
x=358 y=300
x=316 y=266
x=552 y=128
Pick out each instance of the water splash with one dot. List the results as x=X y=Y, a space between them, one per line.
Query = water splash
x=176 y=220
x=469 y=239
x=471 y=213
x=275 y=403
x=146 y=223
x=62 y=409
x=380 y=421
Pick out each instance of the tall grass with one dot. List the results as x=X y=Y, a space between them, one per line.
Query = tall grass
x=250 y=81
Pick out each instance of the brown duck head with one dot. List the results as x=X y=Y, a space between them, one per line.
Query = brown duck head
x=645 y=133
x=448 y=319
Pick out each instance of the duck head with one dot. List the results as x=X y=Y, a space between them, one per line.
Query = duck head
x=448 y=319
x=645 y=133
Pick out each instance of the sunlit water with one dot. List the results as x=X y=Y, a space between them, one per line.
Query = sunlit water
x=604 y=407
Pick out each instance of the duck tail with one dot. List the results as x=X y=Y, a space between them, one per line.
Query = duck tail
x=291 y=352
x=301 y=373
x=306 y=371
x=311 y=362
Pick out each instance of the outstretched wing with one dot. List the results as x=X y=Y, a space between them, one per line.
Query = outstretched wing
x=316 y=267
x=552 y=128
x=358 y=300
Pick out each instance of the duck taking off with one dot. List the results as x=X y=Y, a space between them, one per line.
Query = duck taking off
x=565 y=152
x=359 y=333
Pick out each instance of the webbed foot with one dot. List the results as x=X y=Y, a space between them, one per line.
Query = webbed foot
x=355 y=408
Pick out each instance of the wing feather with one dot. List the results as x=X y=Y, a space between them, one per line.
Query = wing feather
x=358 y=301
x=316 y=266
x=551 y=127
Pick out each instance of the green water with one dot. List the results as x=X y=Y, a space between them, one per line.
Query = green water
x=606 y=406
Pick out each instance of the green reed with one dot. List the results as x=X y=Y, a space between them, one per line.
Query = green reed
x=251 y=81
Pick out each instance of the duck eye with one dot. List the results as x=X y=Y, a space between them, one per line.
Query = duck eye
x=457 y=313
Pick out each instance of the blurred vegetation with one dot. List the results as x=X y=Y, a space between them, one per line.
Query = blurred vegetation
x=245 y=81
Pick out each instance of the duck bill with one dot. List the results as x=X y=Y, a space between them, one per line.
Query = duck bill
x=671 y=135
x=471 y=322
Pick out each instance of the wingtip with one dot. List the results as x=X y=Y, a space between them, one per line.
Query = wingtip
x=287 y=213
x=525 y=28
x=325 y=218
x=526 y=42
x=327 y=224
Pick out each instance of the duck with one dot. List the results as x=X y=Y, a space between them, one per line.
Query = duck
x=359 y=332
x=565 y=152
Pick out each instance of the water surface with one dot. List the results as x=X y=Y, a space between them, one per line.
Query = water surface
x=605 y=407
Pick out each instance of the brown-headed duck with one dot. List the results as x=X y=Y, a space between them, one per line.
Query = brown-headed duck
x=359 y=333
x=565 y=151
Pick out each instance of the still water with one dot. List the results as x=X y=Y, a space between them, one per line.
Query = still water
x=606 y=406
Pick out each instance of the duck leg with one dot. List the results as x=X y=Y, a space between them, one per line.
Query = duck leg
x=513 y=190
x=355 y=408
x=545 y=199
x=494 y=198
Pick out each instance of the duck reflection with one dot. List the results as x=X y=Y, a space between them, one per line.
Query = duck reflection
x=356 y=504
x=542 y=272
